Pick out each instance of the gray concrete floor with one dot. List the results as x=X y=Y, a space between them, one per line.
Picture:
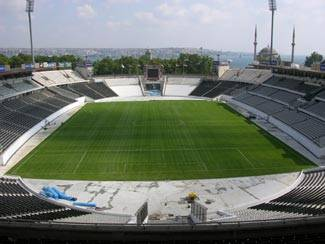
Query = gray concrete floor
x=167 y=198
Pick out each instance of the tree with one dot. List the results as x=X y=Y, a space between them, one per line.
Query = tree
x=4 y=59
x=74 y=60
x=313 y=58
x=18 y=60
x=185 y=63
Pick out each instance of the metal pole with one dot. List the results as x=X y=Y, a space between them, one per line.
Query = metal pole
x=271 y=51
x=293 y=46
x=31 y=37
x=255 y=44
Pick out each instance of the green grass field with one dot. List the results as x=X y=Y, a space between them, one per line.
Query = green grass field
x=158 y=140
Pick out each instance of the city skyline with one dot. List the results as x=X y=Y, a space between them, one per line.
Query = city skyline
x=212 y=24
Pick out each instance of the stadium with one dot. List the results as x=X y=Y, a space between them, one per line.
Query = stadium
x=234 y=157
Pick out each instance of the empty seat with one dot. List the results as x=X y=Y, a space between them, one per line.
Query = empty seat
x=19 y=114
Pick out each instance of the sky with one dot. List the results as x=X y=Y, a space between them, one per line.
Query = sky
x=226 y=25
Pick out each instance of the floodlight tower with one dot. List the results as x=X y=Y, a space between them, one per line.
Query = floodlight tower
x=255 y=43
x=273 y=8
x=293 y=44
x=29 y=10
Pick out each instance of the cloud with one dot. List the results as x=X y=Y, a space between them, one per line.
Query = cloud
x=86 y=11
x=2 y=28
x=207 y=15
x=147 y=17
x=15 y=8
x=172 y=9
x=116 y=25
x=116 y=2
x=13 y=5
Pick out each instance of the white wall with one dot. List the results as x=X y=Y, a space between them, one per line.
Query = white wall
x=127 y=91
x=120 y=81
x=178 y=90
x=9 y=152
x=183 y=80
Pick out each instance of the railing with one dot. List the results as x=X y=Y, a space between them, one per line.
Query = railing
x=168 y=226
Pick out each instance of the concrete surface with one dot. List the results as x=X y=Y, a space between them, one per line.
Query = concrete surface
x=167 y=198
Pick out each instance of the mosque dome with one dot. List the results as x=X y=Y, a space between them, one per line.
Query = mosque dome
x=264 y=56
x=266 y=51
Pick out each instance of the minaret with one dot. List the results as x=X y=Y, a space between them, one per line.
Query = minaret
x=148 y=54
x=255 y=44
x=293 y=45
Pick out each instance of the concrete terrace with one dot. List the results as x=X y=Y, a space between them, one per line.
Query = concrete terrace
x=167 y=198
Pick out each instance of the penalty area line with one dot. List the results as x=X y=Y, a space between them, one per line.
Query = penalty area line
x=81 y=159
x=247 y=159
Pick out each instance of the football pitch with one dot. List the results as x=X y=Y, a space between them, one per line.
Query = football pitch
x=158 y=140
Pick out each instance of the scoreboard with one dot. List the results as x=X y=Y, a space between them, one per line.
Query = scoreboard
x=153 y=72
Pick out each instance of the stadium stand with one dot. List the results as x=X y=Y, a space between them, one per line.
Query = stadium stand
x=293 y=210
x=306 y=124
x=120 y=81
x=12 y=87
x=229 y=88
x=95 y=90
x=264 y=91
x=306 y=199
x=64 y=92
x=316 y=108
x=285 y=99
x=204 y=87
x=56 y=77
x=321 y=95
x=175 y=80
x=310 y=127
x=294 y=217
x=232 y=83
x=19 y=114
x=276 y=95
x=265 y=105
x=291 y=84
x=255 y=76
x=18 y=203
x=291 y=117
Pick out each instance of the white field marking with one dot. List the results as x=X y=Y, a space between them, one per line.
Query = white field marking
x=163 y=172
x=81 y=159
x=143 y=150
x=247 y=159
x=126 y=163
x=204 y=165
